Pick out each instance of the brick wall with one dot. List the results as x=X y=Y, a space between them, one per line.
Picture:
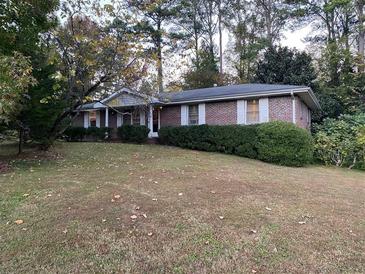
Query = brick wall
x=221 y=113
x=170 y=116
x=281 y=109
x=302 y=116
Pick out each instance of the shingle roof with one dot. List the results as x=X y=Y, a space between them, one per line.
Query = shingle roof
x=226 y=91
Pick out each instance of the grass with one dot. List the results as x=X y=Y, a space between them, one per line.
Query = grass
x=207 y=212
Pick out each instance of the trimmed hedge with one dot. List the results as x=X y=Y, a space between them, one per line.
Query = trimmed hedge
x=284 y=144
x=133 y=133
x=94 y=133
x=275 y=142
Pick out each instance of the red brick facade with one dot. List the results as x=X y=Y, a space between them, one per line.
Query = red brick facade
x=302 y=115
x=281 y=109
x=221 y=113
x=170 y=116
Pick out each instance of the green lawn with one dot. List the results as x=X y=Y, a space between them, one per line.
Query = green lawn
x=195 y=212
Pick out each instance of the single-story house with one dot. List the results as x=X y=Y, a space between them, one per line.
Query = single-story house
x=227 y=105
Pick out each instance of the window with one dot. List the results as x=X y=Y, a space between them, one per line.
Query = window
x=193 y=115
x=253 y=112
x=127 y=118
x=92 y=118
x=136 y=118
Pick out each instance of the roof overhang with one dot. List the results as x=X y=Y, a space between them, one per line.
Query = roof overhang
x=306 y=94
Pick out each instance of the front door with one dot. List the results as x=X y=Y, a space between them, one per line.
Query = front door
x=155 y=122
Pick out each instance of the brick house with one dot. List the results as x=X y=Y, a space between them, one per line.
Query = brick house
x=227 y=105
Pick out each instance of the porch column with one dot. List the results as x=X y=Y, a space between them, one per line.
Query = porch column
x=150 y=120
x=107 y=117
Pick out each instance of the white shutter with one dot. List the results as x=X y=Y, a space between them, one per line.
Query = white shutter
x=119 y=120
x=241 y=112
x=184 y=115
x=86 y=119
x=201 y=114
x=97 y=118
x=264 y=110
x=142 y=118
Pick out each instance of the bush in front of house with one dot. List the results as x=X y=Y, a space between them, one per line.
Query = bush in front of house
x=75 y=133
x=284 y=144
x=91 y=133
x=341 y=142
x=133 y=133
x=289 y=145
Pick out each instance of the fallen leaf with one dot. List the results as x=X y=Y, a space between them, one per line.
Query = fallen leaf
x=19 y=222
x=154 y=199
x=180 y=194
x=65 y=231
x=26 y=195
x=268 y=208
x=221 y=217
x=213 y=192
x=144 y=215
x=301 y=223
x=253 y=271
x=253 y=231
x=116 y=196
x=133 y=217
x=112 y=200
x=150 y=234
x=103 y=220
x=138 y=208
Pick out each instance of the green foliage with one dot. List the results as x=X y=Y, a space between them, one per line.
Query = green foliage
x=204 y=72
x=275 y=142
x=282 y=65
x=341 y=141
x=91 y=133
x=285 y=144
x=133 y=133
x=15 y=79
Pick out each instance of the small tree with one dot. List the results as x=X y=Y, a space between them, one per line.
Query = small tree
x=205 y=72
x=282 y=65
x=15 y=79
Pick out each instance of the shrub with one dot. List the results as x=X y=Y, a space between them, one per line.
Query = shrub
x=133 y=133
x=252 y=141
x=284 y=144
x=75 y=133
x=341 y=141
x=95 y=133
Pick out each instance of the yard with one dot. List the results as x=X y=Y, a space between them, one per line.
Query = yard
x=96 y=207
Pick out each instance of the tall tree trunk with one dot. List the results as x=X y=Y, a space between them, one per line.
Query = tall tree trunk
x=159 y=58
x=220 y=38
x=361 y=39
x=21 y=140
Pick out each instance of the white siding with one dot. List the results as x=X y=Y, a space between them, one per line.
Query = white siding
x=98 y=118
x=184 y=115
x=86 y=119
x=241 y=112
x=142 y=117
x=264 y=110
x=201 y=114
x=119 y=120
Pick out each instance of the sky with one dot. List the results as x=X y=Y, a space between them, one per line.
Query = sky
x=295 y=39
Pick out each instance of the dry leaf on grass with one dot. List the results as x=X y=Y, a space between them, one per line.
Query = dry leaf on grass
x=268 y=208
x=133 y=217
x=221 y=217
x=19 y=222
x=150 y=234
x=117 y=196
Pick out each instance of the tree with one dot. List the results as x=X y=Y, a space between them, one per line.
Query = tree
x=90 y=55
x=15 y=79
x=153 y=18
x=247 y=41
x=205 y=71
x=281 y=65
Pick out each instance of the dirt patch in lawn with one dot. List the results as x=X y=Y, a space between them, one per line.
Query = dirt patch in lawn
x=152 y=209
